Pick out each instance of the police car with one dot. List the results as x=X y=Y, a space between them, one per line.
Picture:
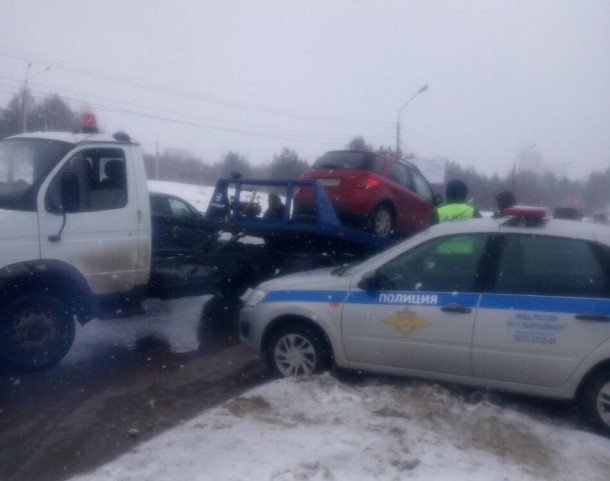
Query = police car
x=519 y=303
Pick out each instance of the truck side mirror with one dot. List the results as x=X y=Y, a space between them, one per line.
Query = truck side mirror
x=70 y=192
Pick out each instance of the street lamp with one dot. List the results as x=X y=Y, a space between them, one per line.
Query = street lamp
x=25 y=93
x=423 y=89
x=517 y=157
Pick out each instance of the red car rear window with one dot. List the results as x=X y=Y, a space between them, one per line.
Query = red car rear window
x=350 y=160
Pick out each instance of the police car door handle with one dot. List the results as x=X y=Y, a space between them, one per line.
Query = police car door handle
x=592 y=316
x=453 y=307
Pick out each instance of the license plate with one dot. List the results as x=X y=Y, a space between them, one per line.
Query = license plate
x=330 y=182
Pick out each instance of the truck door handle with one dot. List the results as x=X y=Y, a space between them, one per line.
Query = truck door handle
x=592 y=316
x=456 y=308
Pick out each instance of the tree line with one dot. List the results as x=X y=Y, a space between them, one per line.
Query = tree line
x=547 y=189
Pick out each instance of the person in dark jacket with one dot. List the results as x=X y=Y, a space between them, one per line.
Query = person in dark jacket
x=276 y=207
x=456 y=207
x=504 y=200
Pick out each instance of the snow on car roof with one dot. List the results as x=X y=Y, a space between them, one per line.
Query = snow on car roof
x=555 y=227
x=69 y=137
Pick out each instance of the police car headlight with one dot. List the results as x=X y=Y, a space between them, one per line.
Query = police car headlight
x=255 y=296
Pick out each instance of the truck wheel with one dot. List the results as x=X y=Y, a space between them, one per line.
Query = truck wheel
x=595 y=401
x=36 y=332
x=381 y=221
x=296 y=350
x=233 y=286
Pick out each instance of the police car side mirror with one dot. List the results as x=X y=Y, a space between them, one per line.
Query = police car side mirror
x=370 y=281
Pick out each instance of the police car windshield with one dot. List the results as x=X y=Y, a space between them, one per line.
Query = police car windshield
x=23 y=163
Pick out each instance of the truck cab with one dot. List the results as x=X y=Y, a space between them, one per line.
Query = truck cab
x=75 y=238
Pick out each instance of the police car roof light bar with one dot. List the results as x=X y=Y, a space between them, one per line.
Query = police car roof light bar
x=525 y=211
x=521 y=215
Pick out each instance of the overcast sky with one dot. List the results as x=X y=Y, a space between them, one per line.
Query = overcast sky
x=256 y=76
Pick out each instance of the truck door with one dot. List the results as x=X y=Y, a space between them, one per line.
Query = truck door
x=100 y=239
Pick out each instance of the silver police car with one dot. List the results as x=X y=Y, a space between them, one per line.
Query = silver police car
x=520 y=304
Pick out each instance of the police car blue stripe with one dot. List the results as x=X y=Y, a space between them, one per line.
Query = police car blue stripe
x=567 y=305
x=305 y=296
x=515 y=302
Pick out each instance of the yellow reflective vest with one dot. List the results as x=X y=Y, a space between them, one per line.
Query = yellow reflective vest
x=455 y=212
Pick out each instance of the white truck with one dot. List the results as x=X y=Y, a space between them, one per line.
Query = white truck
x=75 y=238
x=78 y=241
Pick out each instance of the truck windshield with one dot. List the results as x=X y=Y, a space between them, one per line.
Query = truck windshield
x=23 y=165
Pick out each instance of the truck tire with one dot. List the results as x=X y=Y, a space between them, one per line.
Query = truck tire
x=296 y=350
x=36 y=332
x=595 y=401
x=234 y=285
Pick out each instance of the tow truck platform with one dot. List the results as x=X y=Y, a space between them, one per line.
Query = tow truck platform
x=242 y=247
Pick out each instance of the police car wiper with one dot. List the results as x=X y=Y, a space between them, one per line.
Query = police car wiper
x=338 y=271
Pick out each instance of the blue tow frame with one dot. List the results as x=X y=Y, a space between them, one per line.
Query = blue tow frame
x=225 y=214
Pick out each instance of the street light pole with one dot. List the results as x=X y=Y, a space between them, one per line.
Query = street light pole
x=25 y=93
x=423 y=89
x=517 y=157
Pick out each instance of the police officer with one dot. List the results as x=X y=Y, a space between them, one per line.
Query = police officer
x=456 y=207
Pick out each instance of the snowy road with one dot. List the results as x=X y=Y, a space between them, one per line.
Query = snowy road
x=124 y=381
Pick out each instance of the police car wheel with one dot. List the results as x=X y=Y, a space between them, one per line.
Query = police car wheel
x=36 y=332
x=595 y=402
x=296 y=350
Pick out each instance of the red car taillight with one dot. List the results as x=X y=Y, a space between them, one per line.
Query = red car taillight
x=369 y=182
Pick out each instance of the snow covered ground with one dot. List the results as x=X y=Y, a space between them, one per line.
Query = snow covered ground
x=320 y=428
x=198 y=195
x=176 y=322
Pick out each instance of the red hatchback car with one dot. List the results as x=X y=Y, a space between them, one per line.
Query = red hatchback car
x=375 y=192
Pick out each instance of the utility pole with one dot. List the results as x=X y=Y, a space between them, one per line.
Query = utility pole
x=25 y=94
x=24 y=99
x=517 y=157
x=157 y=159
x=156 y=153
